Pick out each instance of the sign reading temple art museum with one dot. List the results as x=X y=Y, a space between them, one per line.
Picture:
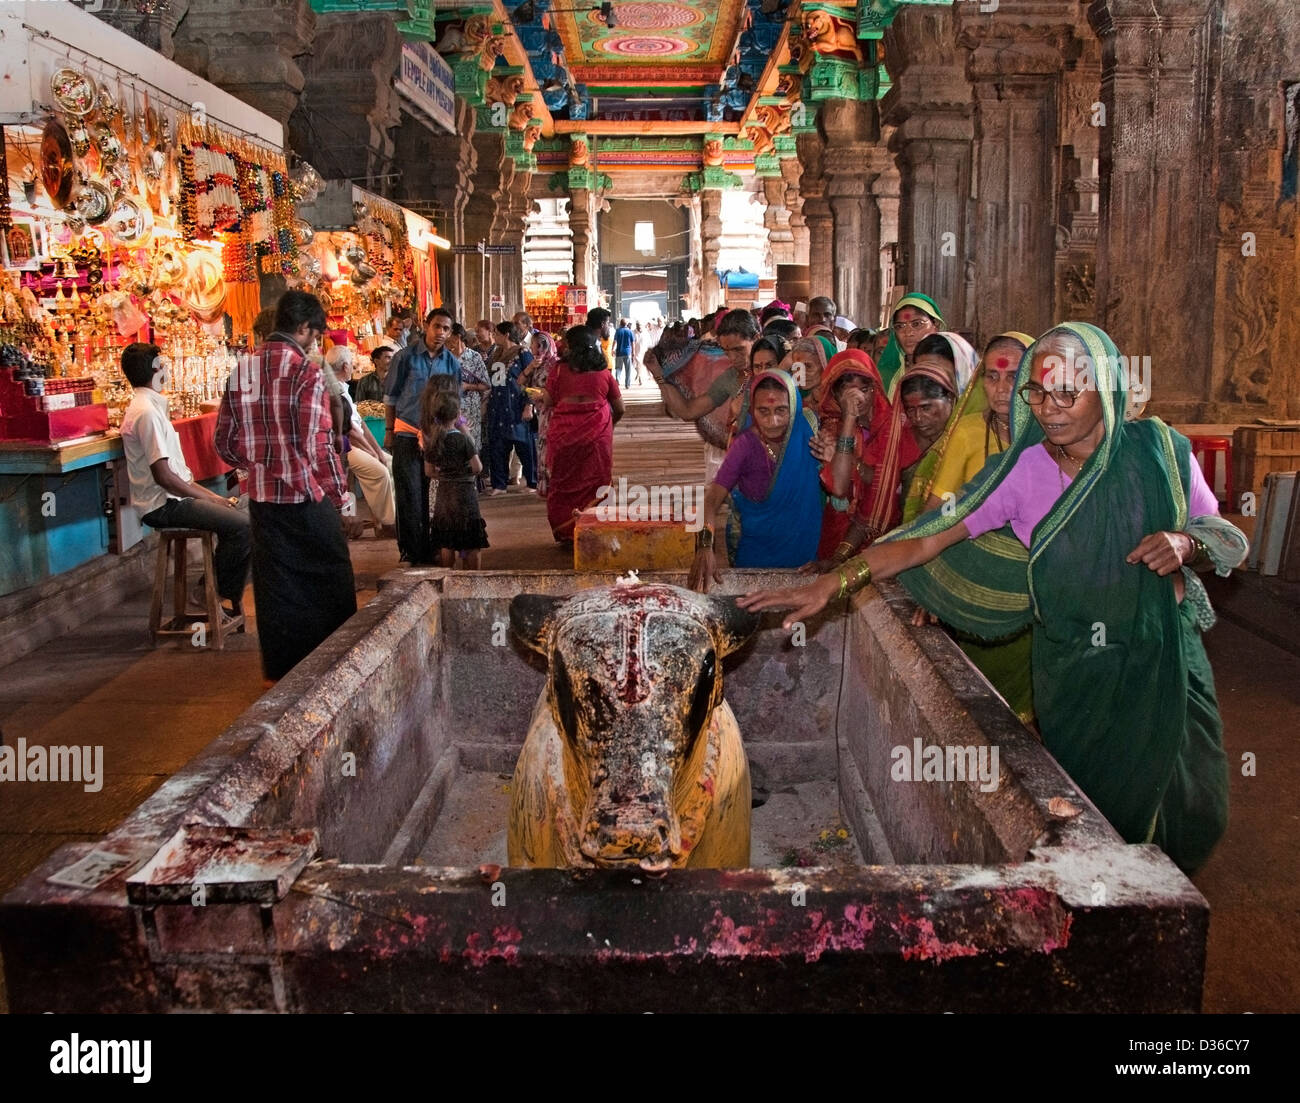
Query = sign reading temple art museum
x=427 y=81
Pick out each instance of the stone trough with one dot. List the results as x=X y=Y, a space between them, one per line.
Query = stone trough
x=342 y=847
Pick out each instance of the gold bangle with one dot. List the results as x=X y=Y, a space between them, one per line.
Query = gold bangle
x=843 y=552
x=704 y=539
x=844 y=585
x=860 y=574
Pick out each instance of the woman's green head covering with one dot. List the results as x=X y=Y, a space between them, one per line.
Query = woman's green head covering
x=890 y=363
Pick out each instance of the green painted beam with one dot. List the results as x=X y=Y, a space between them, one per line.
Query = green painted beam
x=876 y=16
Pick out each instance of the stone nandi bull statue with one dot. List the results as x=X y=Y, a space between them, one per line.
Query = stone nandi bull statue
x=632 y=759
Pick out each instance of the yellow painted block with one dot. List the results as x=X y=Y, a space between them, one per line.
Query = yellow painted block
x=600 y=545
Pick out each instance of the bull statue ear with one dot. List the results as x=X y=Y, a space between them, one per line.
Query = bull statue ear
x=733 y=624
x=530 y=617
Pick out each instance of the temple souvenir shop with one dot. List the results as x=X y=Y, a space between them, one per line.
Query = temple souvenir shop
x=364 y=256
x=133 y=208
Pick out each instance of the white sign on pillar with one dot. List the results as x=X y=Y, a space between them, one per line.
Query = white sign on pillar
x=427 y=81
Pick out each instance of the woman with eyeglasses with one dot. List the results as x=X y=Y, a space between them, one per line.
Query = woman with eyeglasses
x=942 y=369
x=1088 y=530
x=915 y=317
x=863 y=446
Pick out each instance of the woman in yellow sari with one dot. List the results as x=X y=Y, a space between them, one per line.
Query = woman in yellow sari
x=981 y=421
x=932 y=391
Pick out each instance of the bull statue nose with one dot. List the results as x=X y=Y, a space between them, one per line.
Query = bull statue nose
x=644 y=835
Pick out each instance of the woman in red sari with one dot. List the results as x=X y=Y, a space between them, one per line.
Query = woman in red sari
x=864 y=444
x=585 y=404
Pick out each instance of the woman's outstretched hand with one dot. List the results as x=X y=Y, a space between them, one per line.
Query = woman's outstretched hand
x=803 y=601
x=704 y=566
x=822 y=448
x=818 y=566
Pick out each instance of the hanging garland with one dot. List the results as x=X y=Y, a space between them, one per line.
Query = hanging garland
x=241 y=191
x=210 y=201
x=5 y=218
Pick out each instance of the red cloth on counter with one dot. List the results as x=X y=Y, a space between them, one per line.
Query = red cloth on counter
x=197 y=442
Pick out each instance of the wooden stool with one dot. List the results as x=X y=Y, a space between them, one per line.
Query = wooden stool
x=1207 y=450
x=182 y=622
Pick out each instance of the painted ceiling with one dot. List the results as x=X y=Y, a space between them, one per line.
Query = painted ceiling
x=651 y=40
x=651 y=70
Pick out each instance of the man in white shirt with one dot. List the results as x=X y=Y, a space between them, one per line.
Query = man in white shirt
x=372 y=466
x=162 y=488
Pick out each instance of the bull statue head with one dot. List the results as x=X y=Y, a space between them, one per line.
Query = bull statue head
x=633 y=758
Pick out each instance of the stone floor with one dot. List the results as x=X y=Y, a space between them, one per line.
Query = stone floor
x=152 y=710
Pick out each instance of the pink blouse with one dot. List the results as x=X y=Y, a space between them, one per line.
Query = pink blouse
x=1032 y=487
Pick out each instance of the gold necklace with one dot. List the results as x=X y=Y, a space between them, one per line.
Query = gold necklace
x=770 y=451
x=1064 y=455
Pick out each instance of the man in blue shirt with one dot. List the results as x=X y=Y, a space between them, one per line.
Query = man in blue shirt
x=624 y=339
x=410 y=370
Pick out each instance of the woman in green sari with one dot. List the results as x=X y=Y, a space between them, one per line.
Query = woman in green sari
x=980 y=428
x=916 y=316
x=1089 y=529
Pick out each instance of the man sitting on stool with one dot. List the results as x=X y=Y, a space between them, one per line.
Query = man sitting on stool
x=162 y=488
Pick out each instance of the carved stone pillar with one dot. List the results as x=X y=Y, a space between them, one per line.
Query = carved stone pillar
x=1155 y=270
x=520 y=203
x=435 y=176
x=582 y=221
x=156 y=32
x=1078 y=214
x=349 y=107
x=1256 y=316
x=1015 y=60
x=252 y=52
x=817 y=215
x=480 y=216
x=711 y=233
x=776 y=218
x=694 y=276
x=791 y=174
x=930 y=107
x=886 y=190
x=851 y=162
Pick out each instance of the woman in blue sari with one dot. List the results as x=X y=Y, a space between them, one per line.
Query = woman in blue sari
x=772 y=479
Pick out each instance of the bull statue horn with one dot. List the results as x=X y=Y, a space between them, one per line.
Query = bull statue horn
x=530 y=617
x=733 y=624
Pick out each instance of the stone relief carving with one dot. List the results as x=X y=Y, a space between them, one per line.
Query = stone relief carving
x=1079 y=288
x=1252 y=315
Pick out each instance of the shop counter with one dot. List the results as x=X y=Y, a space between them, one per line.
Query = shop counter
x=57 y=500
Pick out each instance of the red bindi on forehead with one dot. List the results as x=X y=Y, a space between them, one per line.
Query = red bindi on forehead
x=1002 y=362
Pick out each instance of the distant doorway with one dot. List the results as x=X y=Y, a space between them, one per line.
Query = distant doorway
x=643 y=294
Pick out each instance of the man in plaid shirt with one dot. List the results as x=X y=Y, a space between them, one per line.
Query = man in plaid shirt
x=275 y=423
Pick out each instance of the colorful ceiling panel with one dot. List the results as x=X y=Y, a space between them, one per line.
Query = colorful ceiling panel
x=649 y=39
